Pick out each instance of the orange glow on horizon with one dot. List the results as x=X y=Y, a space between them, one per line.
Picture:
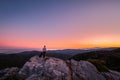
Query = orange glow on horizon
x=88 y=42
x=64 y=45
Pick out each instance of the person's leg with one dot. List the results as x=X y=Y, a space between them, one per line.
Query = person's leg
x=44 y=54
x=41 y=54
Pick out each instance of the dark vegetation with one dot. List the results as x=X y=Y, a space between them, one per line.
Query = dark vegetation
x=100 y=65
x=102 y=59
x=16 y=59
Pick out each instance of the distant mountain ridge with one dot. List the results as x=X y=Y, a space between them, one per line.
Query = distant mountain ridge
x=11 y=51
x=19 y=50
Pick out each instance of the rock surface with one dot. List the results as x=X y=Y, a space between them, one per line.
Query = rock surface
x=9 y=73
x=56 y=69
x=85 y=71
x=45 y=69
x=112 y=75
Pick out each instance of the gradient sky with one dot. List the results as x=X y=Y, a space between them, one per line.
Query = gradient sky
x=59 y=23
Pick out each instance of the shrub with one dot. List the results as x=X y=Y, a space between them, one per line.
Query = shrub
x=100 y=65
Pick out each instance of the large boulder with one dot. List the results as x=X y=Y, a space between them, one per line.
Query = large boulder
x=45 y=69
x=84 y=70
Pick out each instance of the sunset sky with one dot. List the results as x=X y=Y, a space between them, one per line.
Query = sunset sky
x=59 y=24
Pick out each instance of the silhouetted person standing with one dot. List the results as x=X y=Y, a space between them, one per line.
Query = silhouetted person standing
x=44 y=51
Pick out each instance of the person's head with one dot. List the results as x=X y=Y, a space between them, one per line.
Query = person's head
x=44 y=46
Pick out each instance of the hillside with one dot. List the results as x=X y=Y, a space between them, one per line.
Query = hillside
x=16 y=59
x=111 y=58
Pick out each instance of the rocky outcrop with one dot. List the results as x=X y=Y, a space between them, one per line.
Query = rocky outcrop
x=9 y=73
x=84 y=70
x=112 y=75
x=45 y=69
x=56 y=69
